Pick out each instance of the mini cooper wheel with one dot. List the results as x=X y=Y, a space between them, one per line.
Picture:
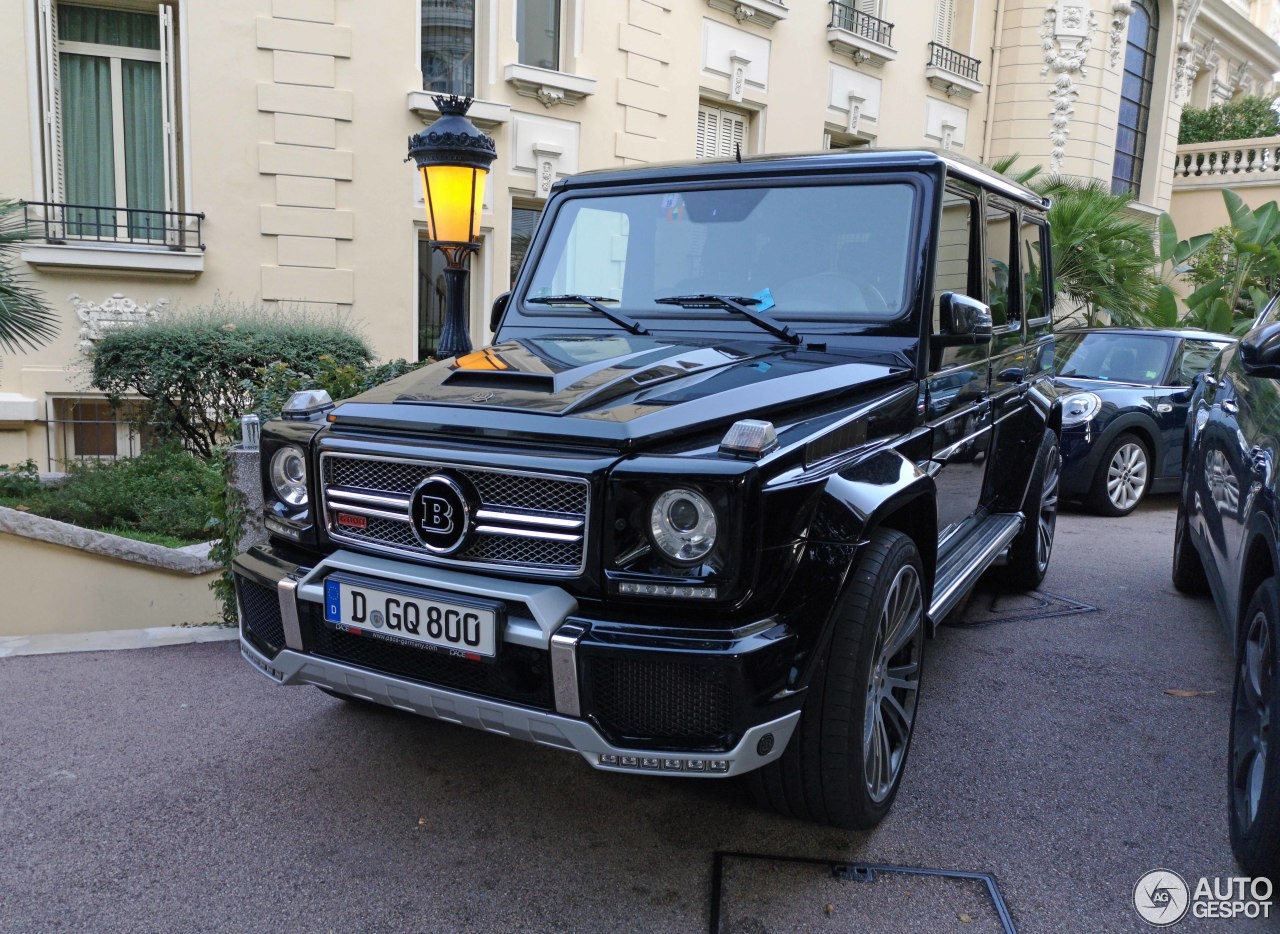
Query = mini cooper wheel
x=1188 y=569
x=1030 y=551
x=1123 y=477
x=1254 y=758
x=845 y=761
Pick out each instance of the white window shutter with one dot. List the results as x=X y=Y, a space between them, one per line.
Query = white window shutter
x=708 y=132
x=871 y=7
x=169 y=119
x=733 y=133
x=720 y=133
x=946 y=11
x=51 y=103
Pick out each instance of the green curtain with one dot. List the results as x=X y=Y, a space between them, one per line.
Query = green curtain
x=143 y=148
x=108 y=27
x=88 y=151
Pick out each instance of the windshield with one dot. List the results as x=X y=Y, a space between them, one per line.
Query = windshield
x=827 y=252
x=1120 y=358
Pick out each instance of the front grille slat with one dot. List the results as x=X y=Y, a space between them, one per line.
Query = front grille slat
x=518 y=540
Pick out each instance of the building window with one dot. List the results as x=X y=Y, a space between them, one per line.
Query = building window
x=110 y=141
x=1135 y=99
x=448 y=46
x=538 y=31
x=524 y=220
x=722 y=133
x=89 y=429
x=944 y=22
x=431 y=298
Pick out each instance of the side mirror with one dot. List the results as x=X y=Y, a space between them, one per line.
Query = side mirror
x=963 y=316
x=499 y=309
x=1260 y=351
x=966 y=322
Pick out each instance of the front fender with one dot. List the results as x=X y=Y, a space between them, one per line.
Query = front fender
x=883 y=490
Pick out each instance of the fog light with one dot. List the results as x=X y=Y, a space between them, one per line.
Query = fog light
x=608 y=760
x=673 y=764
x=677 y=591
x=696 y=765
x=630 y=761
x=281 y=528
x=649 y=763
x=765 y=746
x=719 y=765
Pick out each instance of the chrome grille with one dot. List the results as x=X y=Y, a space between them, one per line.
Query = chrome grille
x=530 y=521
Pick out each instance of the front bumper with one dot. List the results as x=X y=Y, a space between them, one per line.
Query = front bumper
x=627 y=698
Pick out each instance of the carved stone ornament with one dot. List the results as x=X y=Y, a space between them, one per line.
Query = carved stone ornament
x=1066 y=37
x=99 y=320
x=1120 y=10
x=1185 y=70
x=742 y=12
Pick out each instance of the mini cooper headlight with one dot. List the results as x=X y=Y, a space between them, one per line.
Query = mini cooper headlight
x=289 y=475
x=682 y=524
x=1079 y=407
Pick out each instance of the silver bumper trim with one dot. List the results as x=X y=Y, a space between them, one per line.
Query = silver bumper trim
x=535 y=726
x=286 y=592
x=564 y=668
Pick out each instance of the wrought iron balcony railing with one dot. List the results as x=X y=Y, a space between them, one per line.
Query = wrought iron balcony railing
x=847 y=16
x=955 y=62
x=55 y=222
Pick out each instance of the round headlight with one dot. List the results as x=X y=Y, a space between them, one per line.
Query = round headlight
x=683 y=526
x=289 y=475
x=1079 y=407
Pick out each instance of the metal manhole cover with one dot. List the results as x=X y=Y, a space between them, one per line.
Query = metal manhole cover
x=754 y=893
x=986 y=608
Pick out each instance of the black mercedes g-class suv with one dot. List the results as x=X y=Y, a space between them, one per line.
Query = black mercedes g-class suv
x=747 y=431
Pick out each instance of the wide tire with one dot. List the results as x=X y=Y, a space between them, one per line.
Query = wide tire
x=1188 y=569
x=1029 y=553
x=862 y=699
x=1253 y=763
x=1123 y=477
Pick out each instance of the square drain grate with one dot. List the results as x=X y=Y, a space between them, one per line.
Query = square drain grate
x=752 y=893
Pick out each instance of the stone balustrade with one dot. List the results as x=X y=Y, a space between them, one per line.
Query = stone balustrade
x=1230 y=164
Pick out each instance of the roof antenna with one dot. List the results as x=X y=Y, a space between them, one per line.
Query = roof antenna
x=737 y=151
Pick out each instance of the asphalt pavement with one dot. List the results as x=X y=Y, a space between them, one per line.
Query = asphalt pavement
x=175 y=789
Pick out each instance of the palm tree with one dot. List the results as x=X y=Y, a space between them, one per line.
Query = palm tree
x=25 y=320
x=1104 y=258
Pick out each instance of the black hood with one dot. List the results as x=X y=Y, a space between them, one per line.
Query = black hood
x=612 y=389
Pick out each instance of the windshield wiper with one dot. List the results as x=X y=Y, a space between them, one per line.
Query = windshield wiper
x=592 y=302
x=738 y=304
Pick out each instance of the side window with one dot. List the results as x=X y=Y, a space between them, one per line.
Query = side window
x=955 y=249
x=1000 y=237
x=998 y=266
x=1031 y=255
x=1193 y=359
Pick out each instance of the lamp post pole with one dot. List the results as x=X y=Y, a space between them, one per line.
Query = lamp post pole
x=453 y=158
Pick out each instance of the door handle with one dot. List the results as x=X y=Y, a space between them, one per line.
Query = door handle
x=1230 y=406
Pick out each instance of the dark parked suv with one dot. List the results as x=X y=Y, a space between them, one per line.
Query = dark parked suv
x=746 y=433
x=1225 y=543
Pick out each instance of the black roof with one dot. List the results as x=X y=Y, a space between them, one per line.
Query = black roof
x=781 y=163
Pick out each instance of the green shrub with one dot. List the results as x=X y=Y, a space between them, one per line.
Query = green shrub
x=19 y=479
x=163 y=492
x=1247 y=118
x=273 y=384
x=195 y=369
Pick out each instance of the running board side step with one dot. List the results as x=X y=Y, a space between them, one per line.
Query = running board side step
x=967 y=562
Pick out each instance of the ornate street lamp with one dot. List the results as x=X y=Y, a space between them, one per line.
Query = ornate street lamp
x=454 y=159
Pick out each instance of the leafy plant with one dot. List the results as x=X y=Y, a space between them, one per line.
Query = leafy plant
x=1234 y=277
x=1103 y=256
x=25 y=319
x=1246 y=118
x=196 y=370
x=19 y=479
x=165 y=492
x=273 y=384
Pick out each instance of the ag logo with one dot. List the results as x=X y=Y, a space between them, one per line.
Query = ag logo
x=1161 y=897
x=441 y=513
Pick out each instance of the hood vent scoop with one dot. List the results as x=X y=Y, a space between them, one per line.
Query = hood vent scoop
x=501 y=379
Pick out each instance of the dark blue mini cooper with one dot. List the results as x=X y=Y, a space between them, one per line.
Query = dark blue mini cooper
x=1124 y=406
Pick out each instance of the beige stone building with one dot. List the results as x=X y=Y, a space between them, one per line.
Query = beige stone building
x=174 y=150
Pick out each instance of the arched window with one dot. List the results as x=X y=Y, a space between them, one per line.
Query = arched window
x=1135 y=97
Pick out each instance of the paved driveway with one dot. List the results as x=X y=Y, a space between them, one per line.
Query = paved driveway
x=176 y=789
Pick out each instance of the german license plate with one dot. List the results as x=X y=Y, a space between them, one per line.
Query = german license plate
x=432 y=620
